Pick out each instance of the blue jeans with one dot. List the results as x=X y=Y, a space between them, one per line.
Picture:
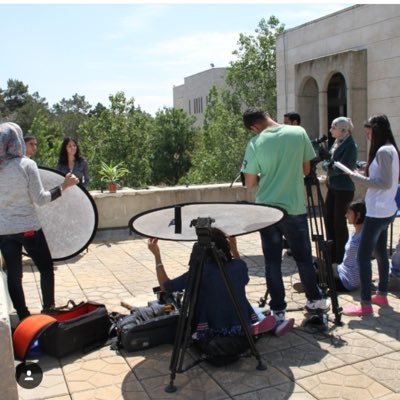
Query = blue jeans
x=295 y=230
x=373 y=239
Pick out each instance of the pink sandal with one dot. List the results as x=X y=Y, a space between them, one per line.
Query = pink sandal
x=379 y=300
x=359 y=311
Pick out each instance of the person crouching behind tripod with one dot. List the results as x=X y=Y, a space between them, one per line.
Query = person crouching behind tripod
x=215 y=314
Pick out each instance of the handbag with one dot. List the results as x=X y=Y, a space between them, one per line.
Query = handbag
x=77 y=327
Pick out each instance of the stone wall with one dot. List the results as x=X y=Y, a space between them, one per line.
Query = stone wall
x=363 y=40
x=116 y=209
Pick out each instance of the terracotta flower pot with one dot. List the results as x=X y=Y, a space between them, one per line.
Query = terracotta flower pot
x=112 y=187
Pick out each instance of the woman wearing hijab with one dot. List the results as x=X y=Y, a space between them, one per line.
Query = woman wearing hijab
x=19 y=224
x=340 y=186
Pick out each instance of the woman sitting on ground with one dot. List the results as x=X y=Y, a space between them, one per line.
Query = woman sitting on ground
x=347 y=273
x=215 y=314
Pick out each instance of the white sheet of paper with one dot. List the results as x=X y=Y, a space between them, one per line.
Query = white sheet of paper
x=341 y=166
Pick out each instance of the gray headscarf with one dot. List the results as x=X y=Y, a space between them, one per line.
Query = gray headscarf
x=12 y=143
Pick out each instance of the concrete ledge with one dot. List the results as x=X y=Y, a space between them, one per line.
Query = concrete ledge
x=116 y=209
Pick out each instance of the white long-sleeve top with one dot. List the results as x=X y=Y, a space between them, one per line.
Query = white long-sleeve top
x=20 y=189
x=382 y=183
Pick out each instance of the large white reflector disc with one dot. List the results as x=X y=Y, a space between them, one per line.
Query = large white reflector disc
x=69 y=222
x=233 y=218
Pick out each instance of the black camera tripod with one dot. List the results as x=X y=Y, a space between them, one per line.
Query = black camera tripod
x=323 y=247
x=200 y=251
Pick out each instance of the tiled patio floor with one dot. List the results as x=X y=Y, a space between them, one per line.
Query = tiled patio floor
x=359 y=360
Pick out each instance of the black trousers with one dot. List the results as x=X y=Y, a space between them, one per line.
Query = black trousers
x=35 y=245
x=336 y=204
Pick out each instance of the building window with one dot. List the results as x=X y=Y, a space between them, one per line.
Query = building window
x=198 y=105
x=190 y=108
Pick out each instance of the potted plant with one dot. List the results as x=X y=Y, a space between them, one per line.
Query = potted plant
x=111 y=174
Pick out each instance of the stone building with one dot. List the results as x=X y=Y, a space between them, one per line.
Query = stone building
x=346 y=63
x=192 y=96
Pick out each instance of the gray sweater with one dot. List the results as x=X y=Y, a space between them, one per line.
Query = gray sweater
x=20 y=189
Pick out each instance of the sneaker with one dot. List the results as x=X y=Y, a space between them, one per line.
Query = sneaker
x=318 y=305
x=379 y=300
x=359 y=311
x=266 y=324
x=282 y=325
x=49 y=311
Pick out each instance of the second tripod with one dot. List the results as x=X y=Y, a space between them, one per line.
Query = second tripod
x=202 y=250
x=323 y=247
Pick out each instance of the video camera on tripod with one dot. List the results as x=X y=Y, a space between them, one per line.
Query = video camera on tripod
x=320 y=149
x=203 y=229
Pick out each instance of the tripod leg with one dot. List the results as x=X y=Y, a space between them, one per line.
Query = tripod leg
x=260 y=366
x=323 y=247
x=186 y=315
x=331 y=282
x=263 y=300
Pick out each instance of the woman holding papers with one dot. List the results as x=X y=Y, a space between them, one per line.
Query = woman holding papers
x=381 y=178
x=340 y=187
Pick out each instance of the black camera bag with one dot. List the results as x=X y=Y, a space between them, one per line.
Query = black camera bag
x=146 y=327
x=79 y=328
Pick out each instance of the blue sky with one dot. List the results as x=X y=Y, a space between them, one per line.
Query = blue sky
x=141 y=49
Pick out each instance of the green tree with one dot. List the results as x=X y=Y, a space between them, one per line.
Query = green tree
x=49 y=137
x=19 y=106
x=119 y=134
x=172 y=144
x=219 y=152
x=15 y=96
x=71 y=113
x=25 y=115
x=252 y=76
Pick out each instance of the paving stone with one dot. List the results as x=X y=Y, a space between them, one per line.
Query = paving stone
x=243 y=377
x=95 y=373
x=345 y=383
x=358 y=360
x=194 y=384
x=129 y=389
x=356 y=348
x=304 y=360
x=286 y=391
x=384 y=369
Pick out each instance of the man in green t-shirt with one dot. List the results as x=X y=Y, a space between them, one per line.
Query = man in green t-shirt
x=276 y=160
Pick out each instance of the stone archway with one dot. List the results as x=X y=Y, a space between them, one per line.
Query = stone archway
x=341 y=80
x=308 y=107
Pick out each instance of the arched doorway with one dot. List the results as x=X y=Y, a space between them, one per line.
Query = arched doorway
x=337 y=100
x=308 y=107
